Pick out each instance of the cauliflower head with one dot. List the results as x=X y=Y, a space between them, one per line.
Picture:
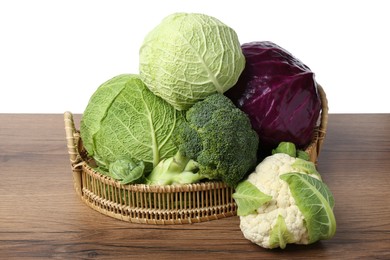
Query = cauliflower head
x=282 y=186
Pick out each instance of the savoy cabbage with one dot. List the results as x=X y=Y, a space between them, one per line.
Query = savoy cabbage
x=123 y=120
x=189 y=56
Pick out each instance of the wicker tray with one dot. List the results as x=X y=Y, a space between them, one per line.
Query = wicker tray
x=170 y=204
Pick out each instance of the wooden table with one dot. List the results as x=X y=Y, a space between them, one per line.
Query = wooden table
x=41 y=216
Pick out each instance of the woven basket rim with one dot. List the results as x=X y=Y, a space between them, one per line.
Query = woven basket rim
x=200 y=186
x=316 y=144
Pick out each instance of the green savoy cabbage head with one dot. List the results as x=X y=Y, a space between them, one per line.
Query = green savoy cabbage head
x=189 y=56
x=123 y=119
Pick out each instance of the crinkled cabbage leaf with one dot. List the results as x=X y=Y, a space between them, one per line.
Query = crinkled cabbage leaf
x=189 y=56
x=123 y=119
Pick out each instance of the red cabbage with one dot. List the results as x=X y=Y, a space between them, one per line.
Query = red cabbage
x=279 y=94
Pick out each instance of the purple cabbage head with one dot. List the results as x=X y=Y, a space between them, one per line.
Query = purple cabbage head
x=279 y=94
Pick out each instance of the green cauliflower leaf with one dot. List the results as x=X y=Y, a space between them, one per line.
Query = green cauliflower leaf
x=249 y=198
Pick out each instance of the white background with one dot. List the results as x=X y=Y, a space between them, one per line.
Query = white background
x=54 y=54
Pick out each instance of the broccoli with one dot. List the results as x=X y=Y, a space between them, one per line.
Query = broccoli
x=215 y=142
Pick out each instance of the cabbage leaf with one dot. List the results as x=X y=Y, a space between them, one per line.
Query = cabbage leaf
x=189 y=56
x=123 y=119
x=127 y=171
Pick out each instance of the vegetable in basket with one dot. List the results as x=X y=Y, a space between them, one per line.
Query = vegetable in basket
x=290 y=149
x=279 y=94
x=125 y=120
x=189 y=56
x=285 y=201
x=215 y=142
x=127 y=171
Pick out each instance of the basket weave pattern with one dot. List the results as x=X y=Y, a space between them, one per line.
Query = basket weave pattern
x=157 y=204
x=169 y=204
x=315 y=146
x=140 y=203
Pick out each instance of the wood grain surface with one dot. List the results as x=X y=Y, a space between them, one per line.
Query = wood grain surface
x=41 y=216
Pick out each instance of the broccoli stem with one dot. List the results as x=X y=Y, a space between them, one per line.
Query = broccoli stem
x=178 y=169
x=178 y=163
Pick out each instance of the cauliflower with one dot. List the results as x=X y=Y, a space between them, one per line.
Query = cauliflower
x=257 y=227
x=284 y=201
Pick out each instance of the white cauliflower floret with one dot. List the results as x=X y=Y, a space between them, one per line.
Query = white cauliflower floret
x=257 y=227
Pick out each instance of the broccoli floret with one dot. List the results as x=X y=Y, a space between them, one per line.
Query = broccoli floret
x=216 y=139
